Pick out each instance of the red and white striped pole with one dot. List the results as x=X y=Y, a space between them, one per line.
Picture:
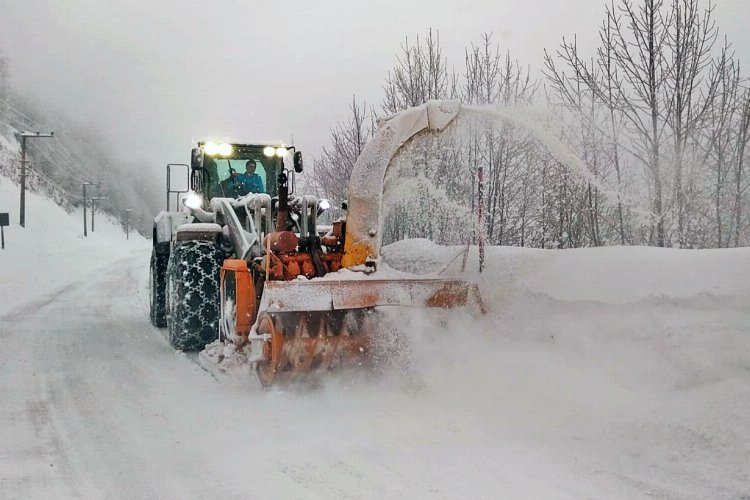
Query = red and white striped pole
x=480 y=217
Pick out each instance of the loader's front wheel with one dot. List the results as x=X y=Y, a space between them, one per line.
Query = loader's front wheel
x=157 y=285
x=193 y=294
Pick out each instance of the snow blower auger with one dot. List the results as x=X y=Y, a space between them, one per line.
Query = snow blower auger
x=320 y=325
x=296 y=298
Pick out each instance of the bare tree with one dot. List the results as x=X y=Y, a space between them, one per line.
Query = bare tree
x=653 y=71
x=330 y=173
x=595 y=132
x=490 y=77
x=420 y=74
x=690 y=38
x=611 y=82
x=494 y=157
x=636 y=47
x=741 y=150
x=725 y=149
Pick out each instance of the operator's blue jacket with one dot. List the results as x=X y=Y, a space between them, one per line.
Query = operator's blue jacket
x=245 y=183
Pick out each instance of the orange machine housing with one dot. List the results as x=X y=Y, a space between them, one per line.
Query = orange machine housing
x=286 y=263
x=237 y=286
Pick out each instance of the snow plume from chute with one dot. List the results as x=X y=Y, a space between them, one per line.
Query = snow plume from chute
x=417 y=207
x=431 y=180
x=543 y=128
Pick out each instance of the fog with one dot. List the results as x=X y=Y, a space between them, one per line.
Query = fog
x=152 y=77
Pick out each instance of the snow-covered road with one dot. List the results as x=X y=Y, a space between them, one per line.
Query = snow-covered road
x=97 y=405
x=555 y=402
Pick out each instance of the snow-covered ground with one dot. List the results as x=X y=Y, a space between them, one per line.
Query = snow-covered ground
x=597 y=373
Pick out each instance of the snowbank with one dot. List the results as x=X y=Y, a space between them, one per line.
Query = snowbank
x=628 y=367
x=607 y=275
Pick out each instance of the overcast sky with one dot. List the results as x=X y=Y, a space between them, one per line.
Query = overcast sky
x=154 y=76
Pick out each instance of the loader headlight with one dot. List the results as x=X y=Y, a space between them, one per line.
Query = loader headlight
x=220 y=149
x=281 y=152
x=192 y=200
x=269 y=151
x=225 y=149
x=211 y=148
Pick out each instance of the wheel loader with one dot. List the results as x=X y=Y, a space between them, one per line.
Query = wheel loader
x=256 y=270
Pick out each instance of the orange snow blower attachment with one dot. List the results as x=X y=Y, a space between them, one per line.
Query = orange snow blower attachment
x=321 y=324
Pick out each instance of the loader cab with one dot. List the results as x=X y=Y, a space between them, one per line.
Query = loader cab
x=216 y=167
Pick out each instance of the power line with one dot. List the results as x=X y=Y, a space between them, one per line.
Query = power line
x=47 y=150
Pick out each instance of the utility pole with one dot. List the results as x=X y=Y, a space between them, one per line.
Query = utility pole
x=23 y=136
x=128 y=211
x=94 y=199
x=85 y=221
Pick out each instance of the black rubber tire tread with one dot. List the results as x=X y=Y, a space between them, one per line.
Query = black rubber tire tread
x=158 y=288
x=193 y=294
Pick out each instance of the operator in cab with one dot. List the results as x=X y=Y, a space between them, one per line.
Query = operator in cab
x=248 y=182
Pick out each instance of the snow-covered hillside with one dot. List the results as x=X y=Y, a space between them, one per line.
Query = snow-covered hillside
x=51 y=252
x=597 y=373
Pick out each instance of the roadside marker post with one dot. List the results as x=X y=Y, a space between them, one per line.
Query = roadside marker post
x=4 y=221
x=128 y=211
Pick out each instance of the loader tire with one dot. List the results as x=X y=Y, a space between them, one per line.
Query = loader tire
x=157 y=285
x=193 y=294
